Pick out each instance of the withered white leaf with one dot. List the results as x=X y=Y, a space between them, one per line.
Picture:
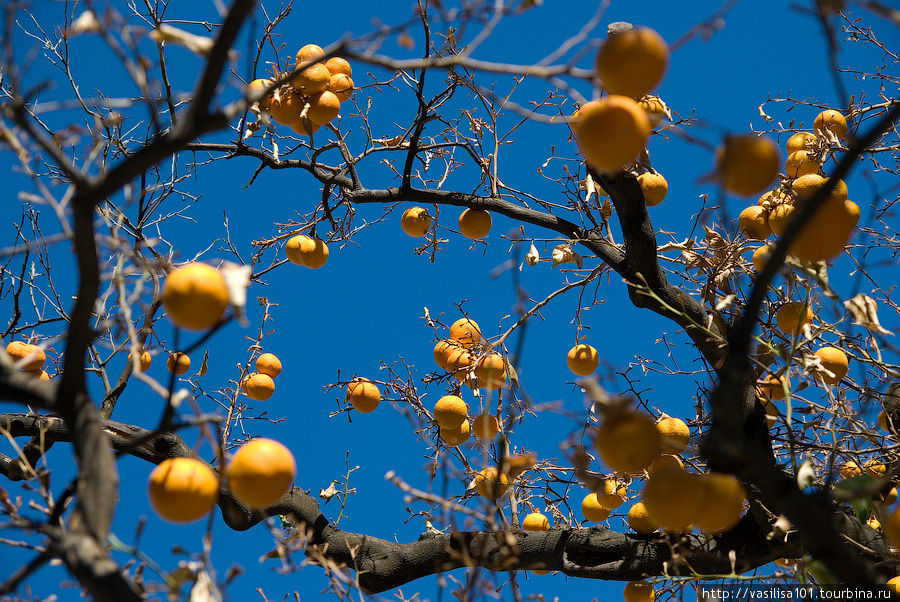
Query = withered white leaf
x=329 y=492
x=197 y=44
x=532 y=257
x=85 y=23
x=564 y=254
x=237 y=279
x=865 y=313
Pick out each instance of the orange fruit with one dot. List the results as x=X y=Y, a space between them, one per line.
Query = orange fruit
x=665 y=462
x=39 y=374
x=337 y=65
x=485 y=426
x=889 y=498
x=800 y=163
x=457 y=436
x=673 y=435
x=309 y=52
x=773 y=388
x=810 y=183
x=312 y=252
x=639 y=591
x=893 y=584
x=341 y=85
x=304 y=127
x=491 y=485
x=582 y=359
x=639 y=520
x=654 y=188
x=363 y=395
x=267 y=363
x=883 y=421
x=875 y=468
x=834 y=360
x=611 y=133
x=178 y=363
x=261 y=472
x=286 y=110
x=825 y=235
x=752 y=223
x=450 y=411
x=415 y=222
x=31 y=356
x=721 y=503
x=779 y=217
x=474 y=223
x=760 y=257
x=312 y=79
x=791 y=316
x=611 y=494
x=627 y=442
x=292 y=249
x=672 y=498
x=460 y=362
x=747 y=164
x=535 y=521
x=800 y=141
x=593 y=510
x=850 y=469
x=256 y=87
x=194 y=296
x=258 y=387
x=832 y=121
x=491 y=371
x=770 y=409
x=442 y=351
x=144 y=362
x=891 y=528
x=323 y=107
x=182 y=490
x=653 y=106
x=874 y=523
x=465 y=331
x=632 y=62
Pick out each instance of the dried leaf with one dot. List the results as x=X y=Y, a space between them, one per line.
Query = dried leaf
x=865 y=313
x=330 y=492
x=513 y=466
x=532 y=257
x=564 y=254
x=237 y=279
x=197 y=44
x=85 y=23
x=405 y=41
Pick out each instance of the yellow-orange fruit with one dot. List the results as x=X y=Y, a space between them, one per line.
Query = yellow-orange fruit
x=891 y=528
x=611 y=133
x=752 y=223
x=760 y=257
x=672 y=498
x=582 y=359
x=442 y=351
x=178 y=363
x=474 y=223
x=363 y=395
x=337 y=65
x=800 y=141
x=807 y=185
x=770 y=409
x=883 y=421
x=779 y=217
x=832 y=121
x=639 y=591
x=312 y=252
x=654 y=188
x=465 y=331
x=721 y=504
x=195 y=296
x=627 y=442
x=292 y=250
x=665 y=462
x=834 y=360
x=39 y=374
x=773 y=387
x=485 y=426
x=341 y=85
x=791 y=316
x=535 y=521
x=746 y=165
x=460 y=362
x=457 y=436
x=257 y=86
x=491 y=485
x=304 y=127
x=450 y=411
x=890 y=497
x=19 y=351
x=874 y=523
x=654 y=108
x=268 y=363
x=261 y=472
x=875 y=468
x=182 y=490
x=258 y=387
x=286 y=109
x=309 y=52
x=800 y=163
x=639 y=520
x=593 y=510
x=825 y=235
x=323 y=107
x=850 y=469
x=773 y=198
x=632 y=62
x=491 y=371
x=673 y=435
x=415 y=222
x=893 y=584
x=611 y=494
x=143 y=362
x=312 y=79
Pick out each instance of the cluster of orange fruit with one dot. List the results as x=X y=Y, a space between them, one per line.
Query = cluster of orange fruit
x=473 y=223
x=260 y=385
x=313 y=97
x=306 y=251
x=29 y=358
x=183 y=490
x=828 y=232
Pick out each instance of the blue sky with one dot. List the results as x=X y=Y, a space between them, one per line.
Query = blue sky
x=366 y=305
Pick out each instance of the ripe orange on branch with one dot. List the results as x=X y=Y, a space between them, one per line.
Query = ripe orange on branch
x=611 y=133
x=673 y=435
x=450 y=411
x=178 y=363
x=593 y=510
x=627 y=442
x=194 y=296
x=474 y=223
x=19 y=351
x=363 y=395
x=491 y=485
x=144 y=360
x=582 y=359
x=834 y=360
x=182 y=490
x=269 y=364
x=654 y=188
x=415 y=222
x=261 y=472
x=465 y=331
x=632 y=62
x=831 y=121
x=746 y=165
x=258 y=387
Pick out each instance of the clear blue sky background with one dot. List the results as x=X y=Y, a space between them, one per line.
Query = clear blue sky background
x=366 y=305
